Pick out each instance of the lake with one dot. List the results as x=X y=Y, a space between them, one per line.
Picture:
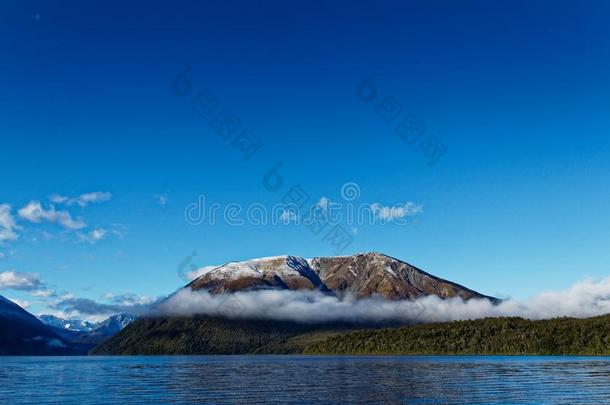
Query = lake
x=304 y=379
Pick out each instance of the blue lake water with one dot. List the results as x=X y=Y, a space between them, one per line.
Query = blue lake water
x=304 y=379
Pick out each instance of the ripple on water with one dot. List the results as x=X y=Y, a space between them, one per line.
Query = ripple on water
x=299 y=379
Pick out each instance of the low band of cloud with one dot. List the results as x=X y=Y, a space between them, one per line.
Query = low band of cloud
x=584 y=299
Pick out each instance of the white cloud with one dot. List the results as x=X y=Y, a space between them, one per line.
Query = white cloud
x=43 y=293
x=82 y=200
x=93 y=236
x=98 y=234
x=399 y=211
x=58 y=199
x=584 y=299
x=7 y=224
x=34 y=212
x=16 y=280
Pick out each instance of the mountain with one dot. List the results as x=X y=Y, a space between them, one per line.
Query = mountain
x=110 y=325
x=76 y=325
x=21 y=333
x=104 y=330
x=114 y=324
x=85 y=332
x=362 y=275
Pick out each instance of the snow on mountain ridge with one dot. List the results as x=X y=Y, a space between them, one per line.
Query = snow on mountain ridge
x=363 y=275
x=114 y=323
x=259 y=267
x=77 y=325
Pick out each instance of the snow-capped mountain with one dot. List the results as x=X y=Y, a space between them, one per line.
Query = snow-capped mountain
x=114 y=324
x=362 y=275
x=108 y=326
x=76 y=325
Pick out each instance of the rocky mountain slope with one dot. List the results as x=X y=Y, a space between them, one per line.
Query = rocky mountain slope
x=362 y=275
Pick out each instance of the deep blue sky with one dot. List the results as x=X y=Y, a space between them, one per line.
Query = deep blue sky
x=518 y=93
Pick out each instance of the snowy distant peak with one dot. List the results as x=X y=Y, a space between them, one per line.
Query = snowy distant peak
x=113 y=324
x=363 y=274
x=77 y=325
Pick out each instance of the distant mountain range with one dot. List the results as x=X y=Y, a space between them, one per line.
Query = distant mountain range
x=85 y=332
x=75 y=325
x=110 y=325
x=21 y=333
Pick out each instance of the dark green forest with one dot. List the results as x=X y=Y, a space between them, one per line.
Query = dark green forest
x=501 y=336
x=208 y=335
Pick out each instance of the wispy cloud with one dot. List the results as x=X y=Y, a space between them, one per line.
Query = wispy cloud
x=8 y=226
x=43 y=293
x=82 y=200
x=93 y=236
x=34 y=212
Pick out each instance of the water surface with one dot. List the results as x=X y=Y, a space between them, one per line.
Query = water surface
x=304 y=379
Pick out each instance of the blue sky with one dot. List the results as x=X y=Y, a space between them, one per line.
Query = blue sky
x=516 y=93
